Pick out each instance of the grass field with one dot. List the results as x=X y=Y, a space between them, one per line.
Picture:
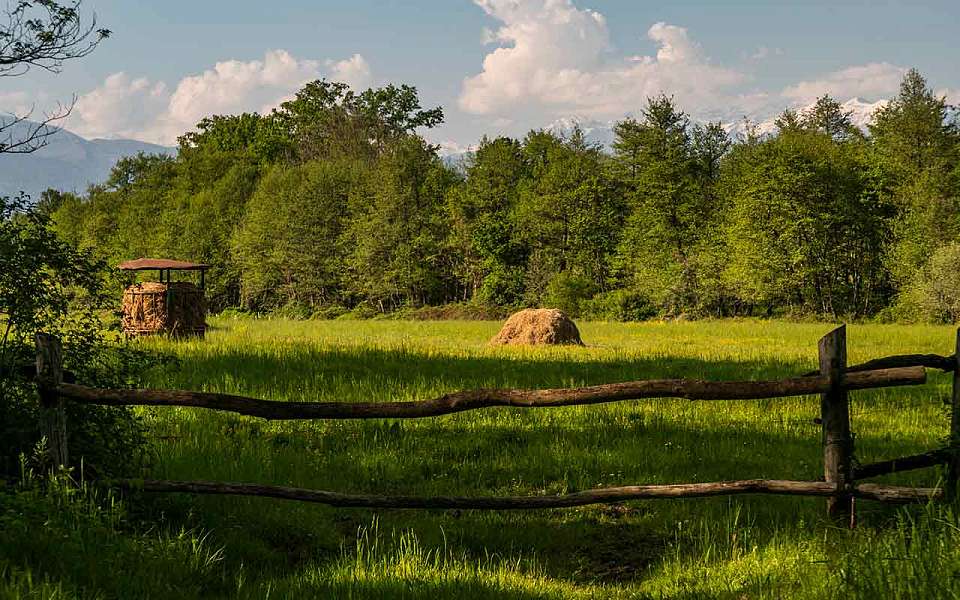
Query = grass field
x=737 y=547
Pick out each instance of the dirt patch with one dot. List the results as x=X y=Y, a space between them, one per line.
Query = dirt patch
x=536 y=326
x=617 y=552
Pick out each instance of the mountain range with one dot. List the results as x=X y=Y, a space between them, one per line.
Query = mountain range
x=68 y=162
x=601 y=132
x=71 y=163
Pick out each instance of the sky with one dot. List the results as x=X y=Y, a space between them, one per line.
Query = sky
x=495 y=66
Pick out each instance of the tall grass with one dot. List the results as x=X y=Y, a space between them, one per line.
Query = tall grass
x=741 y=547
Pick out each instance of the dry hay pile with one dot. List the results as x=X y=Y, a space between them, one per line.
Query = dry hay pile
x=177 y=308
x=538 y=326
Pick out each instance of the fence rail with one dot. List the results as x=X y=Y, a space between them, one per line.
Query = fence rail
x=689 y=389
x=833 y=382
x=869 y=491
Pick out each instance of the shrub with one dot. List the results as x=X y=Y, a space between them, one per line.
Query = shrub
x=46 y=285
x=566 y=291
x=934 y=294
x=618 y=305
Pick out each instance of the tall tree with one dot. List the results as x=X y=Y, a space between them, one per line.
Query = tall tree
x=668 y=183
x=804 y=230
x=568 y=217
x=917 y=145
x=484 y=237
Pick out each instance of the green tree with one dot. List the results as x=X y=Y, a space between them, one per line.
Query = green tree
x=47 y=285
x=287 y=247
x=328 y=119
x=669 y=169
x=397 y=230
x=917 y=147
x=490 y=256
x=805 y=229
x=568 y=217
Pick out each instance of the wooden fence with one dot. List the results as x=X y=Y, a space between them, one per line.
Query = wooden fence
x=834 y=380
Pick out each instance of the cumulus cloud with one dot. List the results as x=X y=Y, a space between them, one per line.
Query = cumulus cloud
x=872 y=81
x=553 y=59
x=124 y=106
x=120 y=107
x=556 y=57
x=354 y=71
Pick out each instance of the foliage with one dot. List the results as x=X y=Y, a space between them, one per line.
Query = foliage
x=670 y=169
x=47 y=285
x=804 y=230
x=334 y=204
x=746 y=546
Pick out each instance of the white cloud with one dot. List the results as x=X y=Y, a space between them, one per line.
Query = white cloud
x=120 y=107
x=556 y=58
x=139 y=108
x=952 y=95
x=872 y=81
x=354 y=71
x=553 y=59
x=17 y=103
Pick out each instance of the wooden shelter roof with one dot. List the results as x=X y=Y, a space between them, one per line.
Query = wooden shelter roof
x=161 y=264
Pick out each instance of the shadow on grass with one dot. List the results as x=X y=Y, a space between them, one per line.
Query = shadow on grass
x=493 y=452
x=283 y=370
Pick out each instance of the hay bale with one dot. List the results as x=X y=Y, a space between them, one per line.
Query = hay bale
x=176 y=308
x=535 y=326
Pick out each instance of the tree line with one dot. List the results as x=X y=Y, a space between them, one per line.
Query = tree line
x=335 y=203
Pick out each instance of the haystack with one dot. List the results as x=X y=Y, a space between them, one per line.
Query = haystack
x=538 y=326
x=176 y=308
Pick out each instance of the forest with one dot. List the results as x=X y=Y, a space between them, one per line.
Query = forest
x=335 y=204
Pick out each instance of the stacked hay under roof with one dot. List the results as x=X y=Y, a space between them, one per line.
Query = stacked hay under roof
x=177 y=308
x=538 y=326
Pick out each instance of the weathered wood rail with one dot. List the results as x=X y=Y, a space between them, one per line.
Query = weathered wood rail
x=833 y=382
x=689 y=389
x=883 y=493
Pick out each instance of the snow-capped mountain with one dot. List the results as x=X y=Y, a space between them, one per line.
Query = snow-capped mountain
x=67 y=163
x=861 y=114
x=594 y=131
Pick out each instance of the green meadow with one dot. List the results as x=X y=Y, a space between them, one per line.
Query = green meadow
x=733 y=547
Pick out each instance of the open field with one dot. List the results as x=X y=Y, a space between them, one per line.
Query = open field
x=738 y=547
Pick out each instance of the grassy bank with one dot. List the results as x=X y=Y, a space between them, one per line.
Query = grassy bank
x=741 y=547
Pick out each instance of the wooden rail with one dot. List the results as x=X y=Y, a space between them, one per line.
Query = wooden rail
x=883 y=493
x=899 y=465
x=930 y=361
x=833 y=382
x=476 y=399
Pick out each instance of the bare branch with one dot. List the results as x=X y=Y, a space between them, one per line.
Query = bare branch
x=32 y=135
x=45 y=34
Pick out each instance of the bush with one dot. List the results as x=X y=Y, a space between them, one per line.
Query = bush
x=46 y=285
x=618 y=305
x=934 y=295
x=941 y=286
x=567 y=291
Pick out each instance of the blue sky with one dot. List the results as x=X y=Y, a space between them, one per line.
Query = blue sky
x=496 y=66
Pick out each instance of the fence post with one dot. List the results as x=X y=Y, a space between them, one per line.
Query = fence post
x=835 y=417
x=953 y=467
x=49 y=378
